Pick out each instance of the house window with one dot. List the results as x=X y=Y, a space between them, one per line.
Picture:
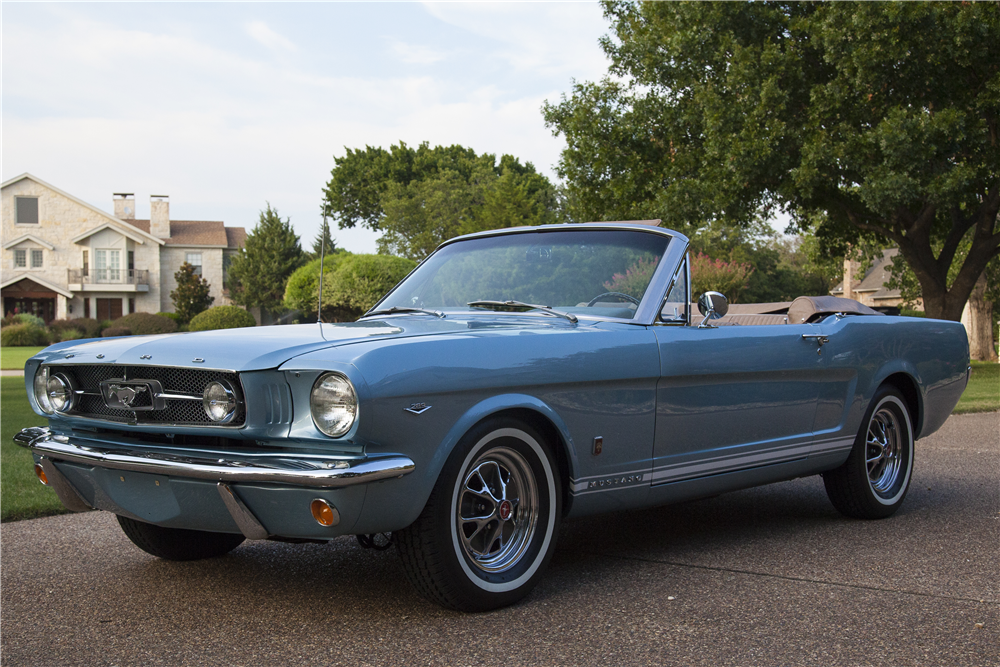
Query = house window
x=107 y=265
x=27 y=210
x=131 y=304
x=86 y=263
x=194 y=259
x=20 y=259
x=36 y=259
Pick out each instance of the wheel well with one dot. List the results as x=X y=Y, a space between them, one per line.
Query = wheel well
x=551 y=434
x=908 y=388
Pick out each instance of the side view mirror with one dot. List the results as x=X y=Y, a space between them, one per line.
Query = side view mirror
x=712 y=305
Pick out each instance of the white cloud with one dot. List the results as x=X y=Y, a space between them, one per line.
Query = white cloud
x=261 y=32
x=550 y=38
x=418 y=54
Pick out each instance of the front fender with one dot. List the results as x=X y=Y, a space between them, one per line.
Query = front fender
x=395 y=504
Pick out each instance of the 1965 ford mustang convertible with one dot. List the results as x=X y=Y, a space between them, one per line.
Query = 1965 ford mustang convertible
x=514 y=379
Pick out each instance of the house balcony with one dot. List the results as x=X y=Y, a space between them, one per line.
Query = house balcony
x=108 y=280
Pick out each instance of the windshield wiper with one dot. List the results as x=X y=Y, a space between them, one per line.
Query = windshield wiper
x=397 y=310
x=501 y=305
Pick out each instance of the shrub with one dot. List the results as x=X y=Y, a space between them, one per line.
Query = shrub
x=221 y=317
x=112 y=332
x=145 y=324
x=28 y=318
x=178 y=320
x=302 y=288
x=84 y=328
x=361 y=280
x=65 y=334
x=23 y=335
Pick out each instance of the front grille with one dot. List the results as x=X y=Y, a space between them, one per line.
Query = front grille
x=177 y=381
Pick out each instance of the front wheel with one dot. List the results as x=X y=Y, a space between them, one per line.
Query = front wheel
x=177 y=543
x=489 y=527
x=873 y=481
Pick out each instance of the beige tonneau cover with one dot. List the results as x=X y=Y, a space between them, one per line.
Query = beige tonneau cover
x=811 y=308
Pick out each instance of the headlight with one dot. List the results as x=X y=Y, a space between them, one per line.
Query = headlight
x=334 y=404
x=42 y=390
x=60 y=392
x=219 y=401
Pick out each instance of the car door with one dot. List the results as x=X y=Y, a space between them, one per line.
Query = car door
x=734 y=398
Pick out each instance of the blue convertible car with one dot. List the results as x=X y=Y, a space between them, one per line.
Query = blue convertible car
x=514 y=379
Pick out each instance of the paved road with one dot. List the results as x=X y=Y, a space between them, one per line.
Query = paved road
x=769 y=576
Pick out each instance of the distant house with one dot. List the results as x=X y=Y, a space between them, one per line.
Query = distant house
x=65 y=258
x=870 y=288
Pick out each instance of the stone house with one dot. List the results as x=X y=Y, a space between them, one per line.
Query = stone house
x=64 y=258
x=870 y=288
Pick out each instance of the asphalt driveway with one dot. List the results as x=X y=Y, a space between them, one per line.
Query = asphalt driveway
x=769 y=576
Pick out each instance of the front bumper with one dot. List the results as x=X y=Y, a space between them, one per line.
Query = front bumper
x=236 y=479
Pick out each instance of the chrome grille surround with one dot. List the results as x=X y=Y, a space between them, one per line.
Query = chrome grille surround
x=182 y=393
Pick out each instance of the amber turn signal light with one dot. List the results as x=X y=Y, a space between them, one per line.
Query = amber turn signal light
x=323 y=513
x=40 y=474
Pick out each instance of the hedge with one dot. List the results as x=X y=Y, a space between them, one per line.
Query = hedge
x=23 y=335
x=145 y=324
x=221 y=317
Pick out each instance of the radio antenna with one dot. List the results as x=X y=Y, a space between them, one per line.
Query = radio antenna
x=322 y=251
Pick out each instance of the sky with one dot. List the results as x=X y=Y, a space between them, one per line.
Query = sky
x=226 y=107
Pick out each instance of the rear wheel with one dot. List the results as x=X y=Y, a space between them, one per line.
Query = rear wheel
x=177 y=543
x=489 y=527
x=873 y=481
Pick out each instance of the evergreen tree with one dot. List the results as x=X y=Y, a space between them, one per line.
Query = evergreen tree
x=259 y=272
x=191 y=296
x=331 y=243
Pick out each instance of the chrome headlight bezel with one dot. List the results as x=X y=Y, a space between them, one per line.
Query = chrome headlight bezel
x=333 y=404
x=61 y=392
x=220 y=394
x=40 y=388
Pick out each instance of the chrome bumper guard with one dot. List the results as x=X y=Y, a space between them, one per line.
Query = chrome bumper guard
x=315 y=473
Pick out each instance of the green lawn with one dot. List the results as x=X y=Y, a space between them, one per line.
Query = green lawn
x=983 y=392
x=23 y=497
x=13 y=358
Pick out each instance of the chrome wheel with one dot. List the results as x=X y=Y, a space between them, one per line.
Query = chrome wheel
x=883 y=453
x=497 y=510
x=873 y=481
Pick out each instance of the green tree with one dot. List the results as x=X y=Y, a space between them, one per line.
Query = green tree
x=325 y=242
x=864 y=121
x=421 y=197
x=271 y=253
x=191 y=296
x=302 y=289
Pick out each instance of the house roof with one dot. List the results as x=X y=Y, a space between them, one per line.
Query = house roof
x=38 y=281
x=77 y=200
x=199 y=233
x=875 y=278
x=28 y=237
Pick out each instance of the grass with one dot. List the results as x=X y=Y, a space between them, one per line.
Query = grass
x=983 y=392
x=13 y=358
x=23 y=497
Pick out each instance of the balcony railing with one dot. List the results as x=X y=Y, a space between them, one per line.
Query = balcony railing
x=109 y=276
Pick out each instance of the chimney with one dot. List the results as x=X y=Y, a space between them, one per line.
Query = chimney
x=848 y=278
x=124 y=205
x=159 y=216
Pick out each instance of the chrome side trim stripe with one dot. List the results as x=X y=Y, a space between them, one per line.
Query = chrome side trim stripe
x=704 y=467
x=315 y=473
x=681 y=471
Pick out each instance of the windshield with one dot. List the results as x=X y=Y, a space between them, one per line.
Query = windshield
x=601 y=273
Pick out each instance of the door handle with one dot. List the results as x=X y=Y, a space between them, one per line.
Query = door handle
x=820 y=340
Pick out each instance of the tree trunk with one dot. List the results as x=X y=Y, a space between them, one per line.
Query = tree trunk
x=978 y=320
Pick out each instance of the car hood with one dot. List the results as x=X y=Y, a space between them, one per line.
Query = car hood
x=255 y=348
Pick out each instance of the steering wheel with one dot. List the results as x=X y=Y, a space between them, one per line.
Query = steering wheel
x=619 y=295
